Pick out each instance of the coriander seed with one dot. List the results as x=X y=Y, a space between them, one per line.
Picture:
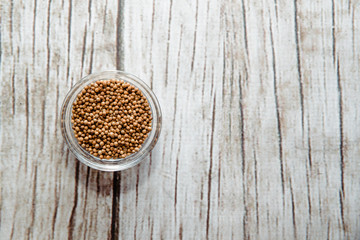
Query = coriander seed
x=111 y=119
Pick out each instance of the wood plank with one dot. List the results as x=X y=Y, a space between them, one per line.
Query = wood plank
x=253 y=95
x=46 y=46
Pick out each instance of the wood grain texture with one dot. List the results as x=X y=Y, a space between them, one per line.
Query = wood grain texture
x=46 y=46
x=260 y=103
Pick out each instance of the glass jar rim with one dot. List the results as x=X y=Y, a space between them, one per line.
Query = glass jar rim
x=112 y=164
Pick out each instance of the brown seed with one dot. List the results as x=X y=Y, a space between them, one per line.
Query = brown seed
x=111 y=118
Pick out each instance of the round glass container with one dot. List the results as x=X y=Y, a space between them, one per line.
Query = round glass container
x=111 y=164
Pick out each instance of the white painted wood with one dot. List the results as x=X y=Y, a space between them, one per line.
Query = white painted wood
x=260 y=104
x=46 y=46
x=257 y=143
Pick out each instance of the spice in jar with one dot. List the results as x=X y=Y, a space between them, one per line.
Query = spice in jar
x=111 y=119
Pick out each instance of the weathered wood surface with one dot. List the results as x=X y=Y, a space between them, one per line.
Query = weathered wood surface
x=261 y=114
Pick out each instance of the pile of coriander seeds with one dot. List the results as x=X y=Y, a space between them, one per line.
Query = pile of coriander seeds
x=111 y=119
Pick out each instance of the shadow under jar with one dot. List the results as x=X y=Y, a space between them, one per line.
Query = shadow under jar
x=110 y=164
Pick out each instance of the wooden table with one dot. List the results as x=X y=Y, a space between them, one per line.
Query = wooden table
x=261 y=116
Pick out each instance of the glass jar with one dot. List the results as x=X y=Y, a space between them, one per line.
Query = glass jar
x=111 y=164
